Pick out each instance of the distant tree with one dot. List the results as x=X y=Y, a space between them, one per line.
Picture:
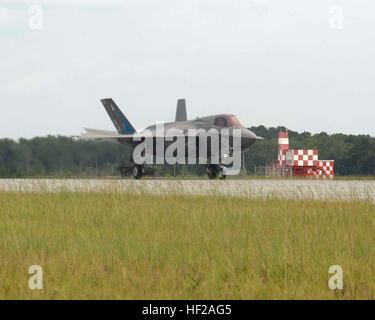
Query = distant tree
x=65 y=157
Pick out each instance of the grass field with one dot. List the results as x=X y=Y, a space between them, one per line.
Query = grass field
x=121 y=246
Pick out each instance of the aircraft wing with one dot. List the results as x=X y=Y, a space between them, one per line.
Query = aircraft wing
x=106 y=134
x=114 y=137
x=100 y=131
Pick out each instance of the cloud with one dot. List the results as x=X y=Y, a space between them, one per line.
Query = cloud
x=241 y=56
x=256 y=6
x=11 y=19
x=32 y=83
x=67 y=2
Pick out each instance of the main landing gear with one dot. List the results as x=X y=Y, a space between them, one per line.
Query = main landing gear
x=137 y=171
x=214 y=171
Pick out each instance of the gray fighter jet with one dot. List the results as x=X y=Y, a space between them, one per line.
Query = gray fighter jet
x=126 y=132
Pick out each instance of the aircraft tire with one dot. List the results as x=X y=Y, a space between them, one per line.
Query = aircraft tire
x=137 y=172
x=212 y=175
x=221 y=174
x=211 y=172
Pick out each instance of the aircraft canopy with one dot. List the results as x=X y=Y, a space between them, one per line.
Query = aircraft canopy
x=227 y=121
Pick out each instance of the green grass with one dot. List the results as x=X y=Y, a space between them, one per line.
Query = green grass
x=120 y=246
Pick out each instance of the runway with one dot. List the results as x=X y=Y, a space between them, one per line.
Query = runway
x=285 y=189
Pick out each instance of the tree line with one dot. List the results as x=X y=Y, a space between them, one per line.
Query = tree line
x=65 y=157
x=353 y=154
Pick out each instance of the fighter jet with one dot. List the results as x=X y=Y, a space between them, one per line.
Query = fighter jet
x=126 y=133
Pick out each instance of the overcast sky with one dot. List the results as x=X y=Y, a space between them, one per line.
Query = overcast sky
x=306 y=65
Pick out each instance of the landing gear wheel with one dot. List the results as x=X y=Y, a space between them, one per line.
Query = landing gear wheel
x=137 y=172
x=211 y=172
x=221 y=174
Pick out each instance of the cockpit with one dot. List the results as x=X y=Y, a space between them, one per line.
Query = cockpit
x=227 y=121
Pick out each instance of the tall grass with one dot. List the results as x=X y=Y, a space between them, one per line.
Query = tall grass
x=122 y=246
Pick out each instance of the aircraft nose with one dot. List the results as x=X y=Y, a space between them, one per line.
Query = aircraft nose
x=248 y=138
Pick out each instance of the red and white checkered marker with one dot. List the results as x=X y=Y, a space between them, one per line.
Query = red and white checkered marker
x=283 y=146
x=327 y=167
x=302 y=162
x=302 y=158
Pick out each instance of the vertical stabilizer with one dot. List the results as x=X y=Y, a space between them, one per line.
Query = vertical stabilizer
x=120 y=122
x=181 y=110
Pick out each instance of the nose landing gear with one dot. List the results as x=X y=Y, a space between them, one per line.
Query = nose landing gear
x=214 y=171
x=221 y=174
